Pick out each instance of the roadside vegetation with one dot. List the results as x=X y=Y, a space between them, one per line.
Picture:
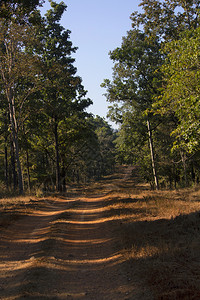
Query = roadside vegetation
x=160 y=236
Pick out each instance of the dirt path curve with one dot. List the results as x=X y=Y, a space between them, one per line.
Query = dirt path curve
x=67 y=248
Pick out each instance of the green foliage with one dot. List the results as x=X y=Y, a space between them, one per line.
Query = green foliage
x=180 y=92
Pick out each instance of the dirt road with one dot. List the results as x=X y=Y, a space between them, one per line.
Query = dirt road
x=68 y=248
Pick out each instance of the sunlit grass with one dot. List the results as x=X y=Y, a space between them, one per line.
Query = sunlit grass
x=159 y=204
x=163 y=239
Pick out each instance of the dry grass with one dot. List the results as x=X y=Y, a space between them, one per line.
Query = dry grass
x=13 y=208
x=160 y=204
x=160 y=231
x=162 y=239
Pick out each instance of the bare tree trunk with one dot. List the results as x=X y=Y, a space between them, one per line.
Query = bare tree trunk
x=183 y=158
x=6 y=134
x=152 y=155
x=14 y=128
x=6 y=162
x=58 y=177
x=28 y=170
x=13 y=170
x=63 y=179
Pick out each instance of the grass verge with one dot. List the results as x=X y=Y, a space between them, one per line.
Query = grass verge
x=161 y=238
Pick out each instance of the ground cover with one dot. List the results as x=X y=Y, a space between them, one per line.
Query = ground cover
x=113 y=239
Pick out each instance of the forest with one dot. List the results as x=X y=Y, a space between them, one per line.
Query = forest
x=47 y=137
x=49 y=140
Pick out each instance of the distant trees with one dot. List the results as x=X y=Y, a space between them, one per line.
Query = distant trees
x=106 y=144
x=155 y=81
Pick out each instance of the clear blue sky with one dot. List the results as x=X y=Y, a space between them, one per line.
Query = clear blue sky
x=96 y=28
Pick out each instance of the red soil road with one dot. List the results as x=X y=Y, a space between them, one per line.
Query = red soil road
x=68 y=248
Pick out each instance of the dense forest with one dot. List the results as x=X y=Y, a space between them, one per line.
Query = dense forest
x=48 y=139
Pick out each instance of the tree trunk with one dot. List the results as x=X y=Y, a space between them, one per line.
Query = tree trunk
x=58 y=177
x=13 y=170
x=183 y=158
x=6 y=172
x=63 y=179
x=14 y=129
x=152 y=155
x=28 y=170
x=193 y=175
x=6 y=162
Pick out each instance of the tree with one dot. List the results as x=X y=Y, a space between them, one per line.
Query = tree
x=26 y=6
x=167 y=19
x=106 y=136
x=17 y=72
x=180 y=91
x=134 y=81
x=62 y=91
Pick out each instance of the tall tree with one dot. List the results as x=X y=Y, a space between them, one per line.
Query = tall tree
x=17 y=71
x=63 y=93
x=134 y=81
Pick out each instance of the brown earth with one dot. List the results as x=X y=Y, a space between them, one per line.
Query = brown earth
x=112 y=240
x=68 y=248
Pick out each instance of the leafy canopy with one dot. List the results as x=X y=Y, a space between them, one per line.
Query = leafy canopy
x=181 y=88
